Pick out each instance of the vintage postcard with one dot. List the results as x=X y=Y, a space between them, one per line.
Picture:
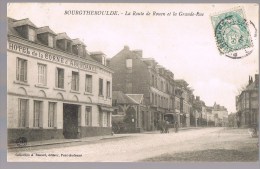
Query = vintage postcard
x=132 y=82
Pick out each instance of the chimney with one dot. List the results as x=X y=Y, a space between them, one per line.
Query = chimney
x=256 y=80
x=257 y=77
x=126 y=47
x=139 y=53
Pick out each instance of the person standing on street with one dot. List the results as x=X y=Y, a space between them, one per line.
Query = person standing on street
x=176 y=126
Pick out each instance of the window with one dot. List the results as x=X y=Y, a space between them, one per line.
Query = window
x=100 y=118
x=42 y=74
x=100 y=87
x=129 y=63
x=31 y=34
x=23 y=112
x=37 y=113
x=88 y=84
x=108 y=89
x=50 y=41
x=155 y=99
x=88 y=116
x=105 y=119
x=60 y=78
x=75 y=81
x=21 y=70
x=51 y=114
x=108 y=119
x=103 y=60
x=153 y=80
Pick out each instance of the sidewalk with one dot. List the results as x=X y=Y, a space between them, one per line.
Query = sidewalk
x=88 y=139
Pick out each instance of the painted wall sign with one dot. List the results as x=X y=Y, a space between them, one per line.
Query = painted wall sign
x=49 y=57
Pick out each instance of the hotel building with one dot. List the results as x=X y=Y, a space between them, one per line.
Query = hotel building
x=56 y=88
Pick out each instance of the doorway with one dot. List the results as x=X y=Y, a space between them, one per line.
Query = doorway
x=70 y=121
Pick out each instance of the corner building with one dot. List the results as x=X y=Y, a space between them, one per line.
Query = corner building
x=134 y=74
x=56 y=88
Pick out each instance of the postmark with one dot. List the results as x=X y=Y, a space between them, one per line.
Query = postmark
x=232 y=34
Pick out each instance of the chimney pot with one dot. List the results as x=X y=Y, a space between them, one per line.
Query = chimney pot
x=126 y=47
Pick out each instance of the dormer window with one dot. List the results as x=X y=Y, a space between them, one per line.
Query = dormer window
x=63 y=42
x=78 y=48
x=31 y=34
x=46 y=36
x=103 y=60
x=26 y=29
x=50 y=41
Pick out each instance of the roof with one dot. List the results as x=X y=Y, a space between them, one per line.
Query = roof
x=11 y=30
x=122 y=98
x=97 y=53
x=44 y=30
x=22 y=22
x=78 y=42
x=138 y=98
x=252 y=86
x=181 y=82
x=62 y=36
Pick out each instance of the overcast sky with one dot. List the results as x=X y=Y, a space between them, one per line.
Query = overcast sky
x=183 y=44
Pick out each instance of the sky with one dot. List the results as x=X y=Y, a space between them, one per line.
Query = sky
x=183 y=44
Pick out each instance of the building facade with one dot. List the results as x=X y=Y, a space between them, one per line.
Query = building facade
x=220 y=115
x=183 y=102
x=128 y=115
x=247 y=104
x=164 y=98
x=56 y=88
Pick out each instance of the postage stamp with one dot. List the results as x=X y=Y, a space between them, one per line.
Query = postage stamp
x=232 y=33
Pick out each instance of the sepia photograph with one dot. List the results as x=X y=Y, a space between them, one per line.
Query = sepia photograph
x=132 y=82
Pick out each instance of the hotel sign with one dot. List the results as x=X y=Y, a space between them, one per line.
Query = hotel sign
x=49 y=57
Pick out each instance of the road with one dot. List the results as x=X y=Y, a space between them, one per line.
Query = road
x=147 y=147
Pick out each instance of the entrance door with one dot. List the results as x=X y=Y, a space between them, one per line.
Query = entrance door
x=70 y=121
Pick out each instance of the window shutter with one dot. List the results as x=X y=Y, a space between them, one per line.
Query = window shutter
x=55 y=115
x=90 y=117
x=25 y=70
x=79 y=116
x=41 y=114
x=100 y=118
x=27 y=114
x=62 y=78
x=17 y=69
x=108 y=119
x=45 y=71
x=19 y=113
x=56 y=77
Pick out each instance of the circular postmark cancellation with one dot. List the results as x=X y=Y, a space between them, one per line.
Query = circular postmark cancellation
x=21 y=142
x=232 y=34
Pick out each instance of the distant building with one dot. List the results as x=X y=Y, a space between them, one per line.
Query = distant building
x=183 y=96
x=134 y=74
x=210 y=116
x=129 y=112
x=247 y=104
x=55 y=88
x=221 y=115
x=232 y=120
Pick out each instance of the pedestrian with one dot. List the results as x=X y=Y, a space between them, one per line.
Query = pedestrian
x=176 y=126
x=167 y=127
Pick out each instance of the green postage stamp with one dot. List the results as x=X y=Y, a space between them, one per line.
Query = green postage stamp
x=232 y=33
